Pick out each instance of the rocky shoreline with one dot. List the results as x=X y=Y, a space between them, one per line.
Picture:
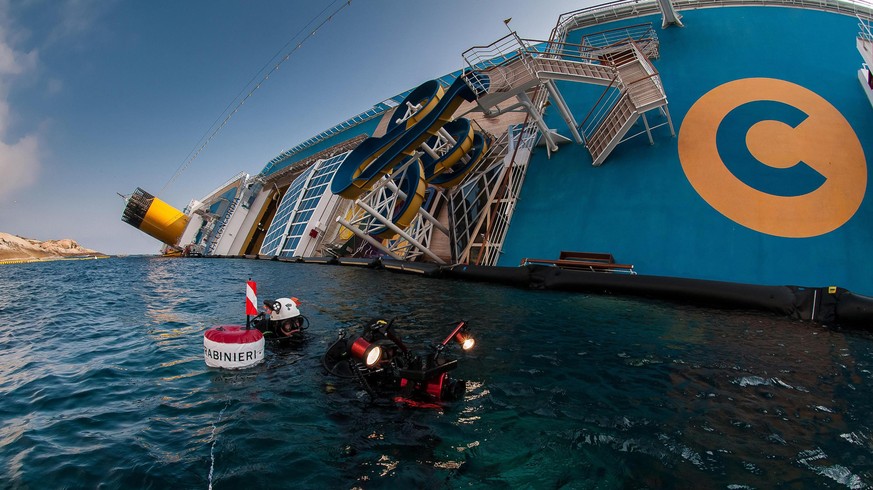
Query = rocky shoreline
x=15 y=249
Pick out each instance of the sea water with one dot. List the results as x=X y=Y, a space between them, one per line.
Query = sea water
x=103 y=384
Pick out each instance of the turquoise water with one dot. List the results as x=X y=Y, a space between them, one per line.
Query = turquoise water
x=104 y=385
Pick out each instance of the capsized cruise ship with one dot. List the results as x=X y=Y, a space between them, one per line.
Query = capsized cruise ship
x=714 y=140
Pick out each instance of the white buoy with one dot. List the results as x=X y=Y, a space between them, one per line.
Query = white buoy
x=233 y=347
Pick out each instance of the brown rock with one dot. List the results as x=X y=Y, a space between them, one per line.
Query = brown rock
x=13 y=247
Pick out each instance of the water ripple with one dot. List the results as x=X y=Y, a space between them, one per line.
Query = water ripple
x=107 y=387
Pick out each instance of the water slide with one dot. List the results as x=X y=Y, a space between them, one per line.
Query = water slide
x=428 y=109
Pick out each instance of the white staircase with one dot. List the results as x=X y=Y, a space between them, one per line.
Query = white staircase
x=527 y=72
x=617 y=59
x=640 y=90
x=573 y=71
x=614 y=126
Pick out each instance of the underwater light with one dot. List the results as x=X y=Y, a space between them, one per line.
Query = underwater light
x=462 y=336
x=368 y=353
x=467 y=342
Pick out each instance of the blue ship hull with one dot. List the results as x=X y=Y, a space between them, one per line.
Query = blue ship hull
x=754 y=172
x=806 y=223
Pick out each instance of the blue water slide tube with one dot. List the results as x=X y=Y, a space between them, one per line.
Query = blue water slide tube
x=453 y=175
x=376 y=157
x=462 y=132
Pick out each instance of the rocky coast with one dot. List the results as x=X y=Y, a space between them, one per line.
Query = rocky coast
x=14 y=248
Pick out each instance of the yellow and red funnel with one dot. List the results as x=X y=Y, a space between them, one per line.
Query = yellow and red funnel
x=154 y=217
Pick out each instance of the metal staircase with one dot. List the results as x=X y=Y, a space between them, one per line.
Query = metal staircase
x=640 y=90
x=530 y=66
x=617 y=59
x=573 y=71
x=616 y=124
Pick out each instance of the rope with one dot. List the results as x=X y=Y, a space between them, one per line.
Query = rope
x=193 y=154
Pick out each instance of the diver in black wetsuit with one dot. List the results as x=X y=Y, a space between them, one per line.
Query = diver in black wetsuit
x=284 y=323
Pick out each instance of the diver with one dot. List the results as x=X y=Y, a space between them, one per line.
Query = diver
x=387 y=369
x=282 y=321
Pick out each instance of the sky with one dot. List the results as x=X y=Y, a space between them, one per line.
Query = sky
x=99 y=97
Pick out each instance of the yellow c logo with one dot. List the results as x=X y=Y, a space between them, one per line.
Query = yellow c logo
x=822 y=144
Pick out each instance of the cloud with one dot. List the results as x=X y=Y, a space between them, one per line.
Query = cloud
x=8 y=63
x=19 y=165
x=19 y=160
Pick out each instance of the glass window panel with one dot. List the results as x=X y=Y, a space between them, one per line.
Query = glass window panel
x=297 y=207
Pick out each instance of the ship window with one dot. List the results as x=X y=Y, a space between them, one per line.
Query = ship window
x=285 y=233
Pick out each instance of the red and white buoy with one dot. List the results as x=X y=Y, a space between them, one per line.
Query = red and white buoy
x=233 y=347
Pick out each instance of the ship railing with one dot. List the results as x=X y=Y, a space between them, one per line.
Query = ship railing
x=524 y=136
x=853 y=7
x=645 y=92
x=652 y=93
x=626 y=101
x=563 y=51
x=540 y=100
x=504 y=200
x=601 y=110
x=625 y=9
x=497 y=53
x=636 y=33
x=641 y=59
x=599 y=47
x=239 y=176
x=864 y=29
x=643 y=35
x=504 y=52
x=588 y=16
x=508 y=61
x=510 y=48
x=365 y=116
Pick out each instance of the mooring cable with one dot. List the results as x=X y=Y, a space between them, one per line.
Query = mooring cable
x=206 y=139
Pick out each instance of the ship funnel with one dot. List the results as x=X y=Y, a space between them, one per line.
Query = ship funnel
x=154 y=217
